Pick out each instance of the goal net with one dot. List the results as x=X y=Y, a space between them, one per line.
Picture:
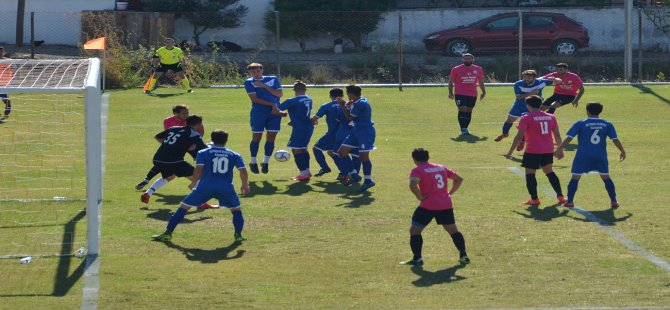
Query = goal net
x=50 y=157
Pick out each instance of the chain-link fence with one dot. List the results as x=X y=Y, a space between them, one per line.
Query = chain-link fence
x=417 y=45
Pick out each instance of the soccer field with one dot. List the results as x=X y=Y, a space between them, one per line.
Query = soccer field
x=322 y=245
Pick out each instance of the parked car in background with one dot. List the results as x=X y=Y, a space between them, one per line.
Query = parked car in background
x=541 y=31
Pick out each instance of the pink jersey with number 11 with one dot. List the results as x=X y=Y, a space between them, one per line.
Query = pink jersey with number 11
x=538 y=127
x=433 y=185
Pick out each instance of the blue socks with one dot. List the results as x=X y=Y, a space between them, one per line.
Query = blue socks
x=302 y=161
x=238 y=221
x=367 y=168
x=611 y=191
x=506 y=127
x=253 y=148
x=175 y=219
x=320 y=159
x=572 y=189
x=269 y=147
x=357 y=163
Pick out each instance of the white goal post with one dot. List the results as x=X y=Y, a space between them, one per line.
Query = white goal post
x=57 y=80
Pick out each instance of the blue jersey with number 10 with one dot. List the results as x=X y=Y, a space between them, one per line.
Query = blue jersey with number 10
x=218 y=165
x=593 y=133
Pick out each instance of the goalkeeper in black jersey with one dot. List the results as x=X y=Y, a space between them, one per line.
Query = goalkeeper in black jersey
x=169 y=158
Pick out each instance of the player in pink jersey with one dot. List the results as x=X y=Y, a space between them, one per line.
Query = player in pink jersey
x=465 y=77
x=537 y=127
x=429 y=183
x=178 y=119
x=570 y=90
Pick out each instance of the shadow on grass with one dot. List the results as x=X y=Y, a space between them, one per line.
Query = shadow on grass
x=297 y=188
x=168 y=199
x=649 y=91
x=212 y=256
x=65 y=279
x=545 y=214
x=430 y=278
x=164 y=215
x=604 y=217
x=352 y=194
x=469 y=138
x=261 y=188
x=165 y=95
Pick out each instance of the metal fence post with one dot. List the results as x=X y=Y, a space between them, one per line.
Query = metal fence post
x=400 y=51
x=277 y=44
x=32 y=35
x=520 y=43
x=628 y=49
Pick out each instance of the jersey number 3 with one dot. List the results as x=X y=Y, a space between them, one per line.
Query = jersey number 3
x=440 y=181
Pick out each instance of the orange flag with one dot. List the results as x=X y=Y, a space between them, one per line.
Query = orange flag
x=95 y=44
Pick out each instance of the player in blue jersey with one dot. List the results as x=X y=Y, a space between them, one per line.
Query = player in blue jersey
x=264 y=92
x=299 y=110
x=592 y=151
x=528 y=86
x=330 y=110
x=361 y=137
x=213 y=178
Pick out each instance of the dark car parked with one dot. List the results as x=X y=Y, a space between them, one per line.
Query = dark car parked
x=541 y=31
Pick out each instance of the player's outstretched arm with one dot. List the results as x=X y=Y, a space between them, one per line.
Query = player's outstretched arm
x=619 y=146
x=456 y=184
x=244 y=177
x=414 y=188
x=197 y=172
x=515 y=142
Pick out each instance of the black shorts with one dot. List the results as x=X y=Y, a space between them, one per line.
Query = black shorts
x=422 y=217
x=174 y=67
x=562 y=99
x=180 y=169
x=465 y=101
x=536 y=161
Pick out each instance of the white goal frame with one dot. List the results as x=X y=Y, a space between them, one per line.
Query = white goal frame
x=66 y=76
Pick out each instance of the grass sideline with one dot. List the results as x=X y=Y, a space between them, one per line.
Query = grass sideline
x=320 y=245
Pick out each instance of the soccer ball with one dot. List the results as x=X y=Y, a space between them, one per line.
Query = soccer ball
x=282 y=155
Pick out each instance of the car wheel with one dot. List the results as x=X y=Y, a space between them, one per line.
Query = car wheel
x=565 y=47
x=457 y=47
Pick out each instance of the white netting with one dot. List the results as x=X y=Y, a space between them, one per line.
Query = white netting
x=43 y=74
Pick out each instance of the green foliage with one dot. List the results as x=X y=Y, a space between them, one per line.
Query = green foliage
x=202 y=14
x=292 y=26
x=660 y=77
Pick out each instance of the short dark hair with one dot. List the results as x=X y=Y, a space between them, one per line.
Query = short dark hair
x=299 y=85
x=530 y=72
x=254 y=65
x=594 y=108
x=534 y=101
x=336 y=92
x=219 y=136
x=561 y=65
x=421 y=155
x=178 y=108
x=194 y=120
x=354 y=90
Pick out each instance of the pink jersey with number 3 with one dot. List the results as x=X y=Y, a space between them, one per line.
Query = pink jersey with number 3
x=434 y=185
x=538 y=127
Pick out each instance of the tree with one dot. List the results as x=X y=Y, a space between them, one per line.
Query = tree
x=292 y=26
x=203 y=14
x=351 y=19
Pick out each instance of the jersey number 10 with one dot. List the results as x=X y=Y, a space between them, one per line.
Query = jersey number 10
x=220 y=165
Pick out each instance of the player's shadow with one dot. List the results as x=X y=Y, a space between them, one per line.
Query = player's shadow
x=515 y=159
x=647 y=90
x=469 y=138
x=212 y=256
x=545 y=214
x=165 y=95
x=261 y=188
x=430 y=278
x=332 y=187
x=168 y=199
x=164 y=215
x=297 y=188
x=356 y=199
x=604 y=217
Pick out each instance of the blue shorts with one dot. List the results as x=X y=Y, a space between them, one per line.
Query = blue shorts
x=264 y=122
x=584 y=165
x=362 y=138
x=326 y=142
x=518 y=109
x=338 y=144
x=300 y=137
x=225 y=194
x=4 y=96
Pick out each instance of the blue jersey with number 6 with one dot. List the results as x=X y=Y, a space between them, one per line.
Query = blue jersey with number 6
x=592 y=136
x=218 y=165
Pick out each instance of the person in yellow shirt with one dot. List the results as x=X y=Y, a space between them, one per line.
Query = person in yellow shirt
x=168 y=57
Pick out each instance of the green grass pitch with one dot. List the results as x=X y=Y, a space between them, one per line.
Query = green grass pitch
x=320 y=245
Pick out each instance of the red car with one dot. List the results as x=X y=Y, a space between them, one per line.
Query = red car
x=541 y=31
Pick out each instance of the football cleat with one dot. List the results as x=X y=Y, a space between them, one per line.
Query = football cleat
x=521 y=146
x=162 y=237
x=569 y=204
x=532 y=202
x=205 y=206
x=145 y=198
x=322 y=172
x=561 y=199
x=500 y=137
x=614 y=205
x=141 y=185
x=413 y=262
x=340 y=177
x=367 y=185
x=239 y=237
x=253 y=168
x=302 y=177
x=148 y=92
x=464 y=260
x=265 y=168
x=351 y=179
x=190 y=91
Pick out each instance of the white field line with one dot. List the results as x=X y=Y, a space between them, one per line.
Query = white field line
x=630 y=244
